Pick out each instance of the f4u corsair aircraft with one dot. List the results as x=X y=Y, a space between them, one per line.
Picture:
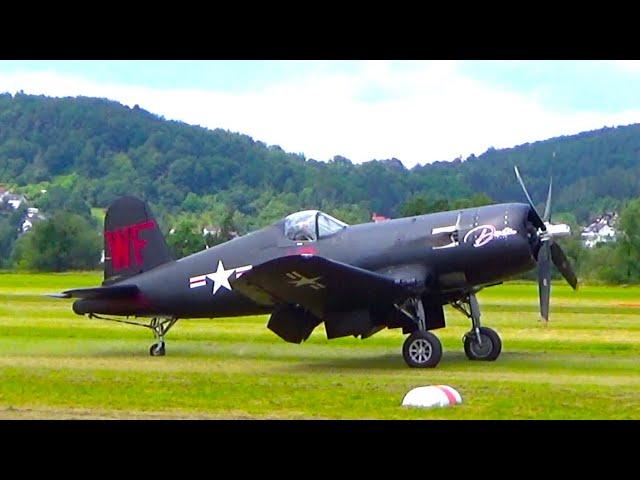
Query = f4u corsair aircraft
x=310 y=268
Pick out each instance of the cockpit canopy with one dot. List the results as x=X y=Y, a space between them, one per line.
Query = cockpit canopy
x=309 y=225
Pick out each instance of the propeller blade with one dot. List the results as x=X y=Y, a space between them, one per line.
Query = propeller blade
x=544 y=280
x=547 y=208
x=561 y=261
x=537 y=221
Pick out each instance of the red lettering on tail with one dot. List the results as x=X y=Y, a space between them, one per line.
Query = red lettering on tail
x=139 y=243
x=119 y=244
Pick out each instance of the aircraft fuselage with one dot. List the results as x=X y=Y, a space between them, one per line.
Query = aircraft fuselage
x=458 y=250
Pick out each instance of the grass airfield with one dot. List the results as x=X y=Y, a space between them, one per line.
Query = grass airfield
x=56 y=365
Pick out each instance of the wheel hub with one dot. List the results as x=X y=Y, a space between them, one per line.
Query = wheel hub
x=481 y=349
x=420 y=351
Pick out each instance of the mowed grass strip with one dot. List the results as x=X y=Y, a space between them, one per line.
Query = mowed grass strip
x=55 y=364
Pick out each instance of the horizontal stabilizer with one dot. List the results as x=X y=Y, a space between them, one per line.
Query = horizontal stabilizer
x=116 y=291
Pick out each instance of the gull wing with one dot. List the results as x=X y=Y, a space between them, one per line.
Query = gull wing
x=320 y=285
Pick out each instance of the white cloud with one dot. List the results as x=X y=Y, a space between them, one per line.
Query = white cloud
x=631 y=66
x=420 y=114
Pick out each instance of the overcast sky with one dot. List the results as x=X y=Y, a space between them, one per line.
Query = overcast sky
x=417 y=111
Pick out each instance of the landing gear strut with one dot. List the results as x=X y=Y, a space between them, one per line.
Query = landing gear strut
x=160 y=327
x=480 y=343
x=421 y=349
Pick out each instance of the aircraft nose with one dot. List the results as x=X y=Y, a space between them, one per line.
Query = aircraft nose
x=532 y=235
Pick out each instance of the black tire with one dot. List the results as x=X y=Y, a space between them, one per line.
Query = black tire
x=490 y=348
x=157 y=350
x=422 y=350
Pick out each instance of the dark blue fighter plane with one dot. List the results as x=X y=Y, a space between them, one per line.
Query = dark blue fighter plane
x=310 y=268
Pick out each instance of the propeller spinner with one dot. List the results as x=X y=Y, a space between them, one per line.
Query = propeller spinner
x=549 y=250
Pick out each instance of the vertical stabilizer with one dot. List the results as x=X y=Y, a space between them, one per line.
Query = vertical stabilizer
x=133 y=242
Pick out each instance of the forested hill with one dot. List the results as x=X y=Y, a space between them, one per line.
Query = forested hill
x=99 y=150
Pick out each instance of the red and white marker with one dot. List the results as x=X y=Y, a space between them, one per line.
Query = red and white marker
x=432 y=396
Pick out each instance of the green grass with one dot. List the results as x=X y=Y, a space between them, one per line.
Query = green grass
x=54 y=364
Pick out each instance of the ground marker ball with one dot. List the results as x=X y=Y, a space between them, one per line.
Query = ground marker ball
x=432 y=396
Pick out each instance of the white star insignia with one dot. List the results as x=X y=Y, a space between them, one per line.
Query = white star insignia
x=220 y=277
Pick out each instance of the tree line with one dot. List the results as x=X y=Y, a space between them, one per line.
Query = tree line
x=72 y=241
x=85 y=152
x=115 y=150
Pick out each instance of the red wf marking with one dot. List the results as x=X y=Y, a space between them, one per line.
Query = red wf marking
x=119 y=244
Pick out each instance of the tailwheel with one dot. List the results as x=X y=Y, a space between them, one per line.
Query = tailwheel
x=422 y=349
x=157 y=350
x=482 y=344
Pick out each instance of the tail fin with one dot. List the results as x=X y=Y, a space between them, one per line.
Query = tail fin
x=133 y=242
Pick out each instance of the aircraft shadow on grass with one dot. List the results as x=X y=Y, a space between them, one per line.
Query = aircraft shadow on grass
x=310 y=362
x=391 y=361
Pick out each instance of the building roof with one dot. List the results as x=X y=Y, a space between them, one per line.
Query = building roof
x=378 y=218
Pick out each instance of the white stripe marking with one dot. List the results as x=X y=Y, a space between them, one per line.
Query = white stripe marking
x=241 y=270
x=448 y=229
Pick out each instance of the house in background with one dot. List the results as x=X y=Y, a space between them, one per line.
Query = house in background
x=32 y=217
x=211 y=230
x=601 y=230
x=214 y=231
x=11 y=200
x=378 y=218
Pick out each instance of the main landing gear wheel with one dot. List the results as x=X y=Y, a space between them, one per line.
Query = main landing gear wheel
x=157 y=350
x=422 y=349
x=487 y=349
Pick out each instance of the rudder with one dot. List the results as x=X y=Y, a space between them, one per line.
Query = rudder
x=133 y=242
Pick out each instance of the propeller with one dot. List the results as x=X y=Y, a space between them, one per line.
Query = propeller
x=537 y=221
x=550 y=252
